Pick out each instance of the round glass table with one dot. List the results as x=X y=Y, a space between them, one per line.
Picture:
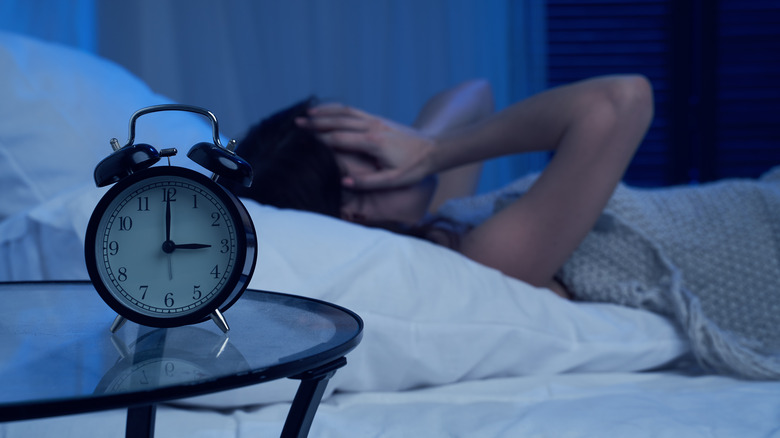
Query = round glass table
x=58 y=357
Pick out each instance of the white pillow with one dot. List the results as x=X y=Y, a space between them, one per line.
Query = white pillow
x=59 y=108
x=433 y=316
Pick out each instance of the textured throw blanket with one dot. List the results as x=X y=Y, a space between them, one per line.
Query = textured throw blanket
x=707 y=256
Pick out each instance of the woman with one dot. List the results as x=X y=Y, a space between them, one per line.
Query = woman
x=594 y=127
x=552 y=230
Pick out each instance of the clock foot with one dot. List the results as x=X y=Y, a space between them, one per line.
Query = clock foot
x=220 y=321
x=118 y=322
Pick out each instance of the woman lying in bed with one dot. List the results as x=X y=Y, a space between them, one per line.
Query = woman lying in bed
x=573 y=228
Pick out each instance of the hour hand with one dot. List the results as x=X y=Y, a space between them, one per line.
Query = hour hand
x=191 y=246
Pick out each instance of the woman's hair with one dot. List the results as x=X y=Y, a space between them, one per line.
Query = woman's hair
x=294 y=169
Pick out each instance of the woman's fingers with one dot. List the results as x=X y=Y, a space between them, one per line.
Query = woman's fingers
x=382 y=179
x=344 y=128
x=336 y=124
x=397 y=151
x=337 y=109
x=336 y=116
x=332 y=123
x=348 y=141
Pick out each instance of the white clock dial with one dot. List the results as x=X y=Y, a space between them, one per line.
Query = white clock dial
x=166 y=246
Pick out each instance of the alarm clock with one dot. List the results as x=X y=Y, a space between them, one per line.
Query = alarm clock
x=168 y=246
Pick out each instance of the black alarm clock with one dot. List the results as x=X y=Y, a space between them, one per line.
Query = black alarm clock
x=167 y=246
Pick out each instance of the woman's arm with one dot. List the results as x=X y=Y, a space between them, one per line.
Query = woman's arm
x=594 y=126
x=462 y=105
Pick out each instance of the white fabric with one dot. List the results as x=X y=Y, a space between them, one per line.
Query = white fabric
x=636 y=405
x=433 y=316
x=60 y=108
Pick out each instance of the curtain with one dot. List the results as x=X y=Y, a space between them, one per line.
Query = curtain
x=69 y=22
x=244 y=59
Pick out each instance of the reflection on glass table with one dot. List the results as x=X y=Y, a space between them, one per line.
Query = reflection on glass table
x=170 y=357
x=58 y=356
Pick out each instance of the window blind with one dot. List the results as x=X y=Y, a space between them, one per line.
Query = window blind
x=714 y=69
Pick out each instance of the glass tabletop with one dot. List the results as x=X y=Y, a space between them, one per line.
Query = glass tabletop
x=57 y=355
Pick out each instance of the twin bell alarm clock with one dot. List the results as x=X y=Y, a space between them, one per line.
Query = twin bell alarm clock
x=167 y=246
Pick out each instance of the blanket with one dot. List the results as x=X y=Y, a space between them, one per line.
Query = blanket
x=707 y=256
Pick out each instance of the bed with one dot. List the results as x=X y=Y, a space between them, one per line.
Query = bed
x=450 y=348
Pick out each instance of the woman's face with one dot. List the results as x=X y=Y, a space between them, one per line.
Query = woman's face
x=406 y=204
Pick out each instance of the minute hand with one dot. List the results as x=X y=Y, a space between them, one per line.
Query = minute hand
x=191 y=246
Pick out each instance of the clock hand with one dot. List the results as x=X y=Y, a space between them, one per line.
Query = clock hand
x=191 y=246
x=168 y=245
x=167 y=218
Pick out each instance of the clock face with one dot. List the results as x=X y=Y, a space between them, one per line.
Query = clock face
x=167 y=245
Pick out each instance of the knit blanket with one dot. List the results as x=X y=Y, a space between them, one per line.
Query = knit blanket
x=706 y=256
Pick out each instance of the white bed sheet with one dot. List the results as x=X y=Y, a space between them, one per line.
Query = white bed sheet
x=568 y=405
x=561 y=406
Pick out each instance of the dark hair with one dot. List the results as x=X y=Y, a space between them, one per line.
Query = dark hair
x=292 y=167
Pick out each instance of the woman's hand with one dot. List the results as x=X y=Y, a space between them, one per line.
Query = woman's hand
x=402 y=154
